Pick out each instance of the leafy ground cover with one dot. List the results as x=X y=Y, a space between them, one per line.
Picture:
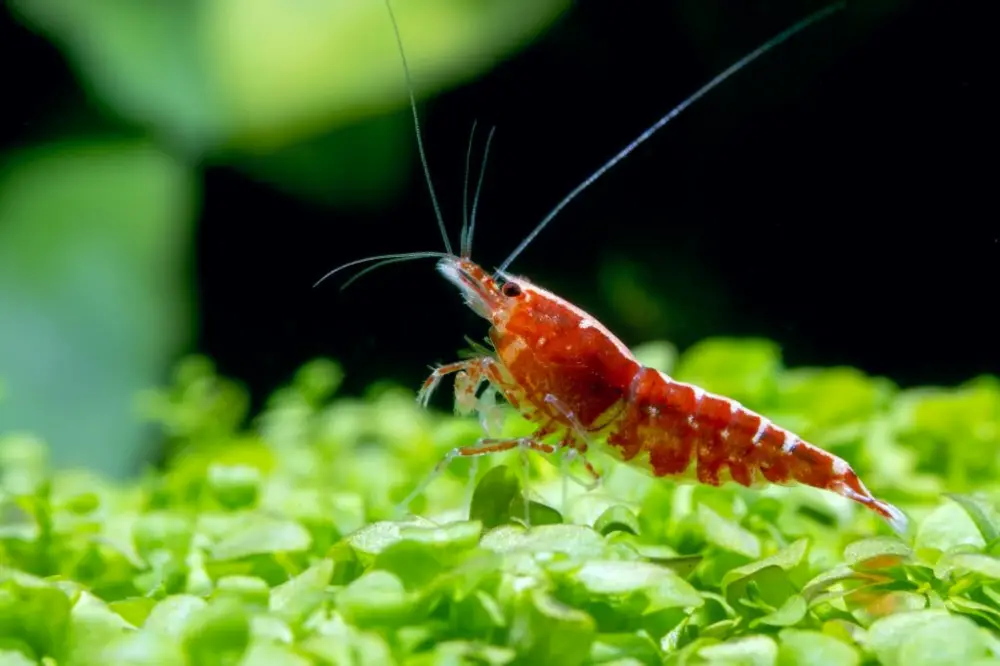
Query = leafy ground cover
x=280 y=542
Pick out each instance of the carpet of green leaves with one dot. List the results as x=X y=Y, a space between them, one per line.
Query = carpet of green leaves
x=279 y=542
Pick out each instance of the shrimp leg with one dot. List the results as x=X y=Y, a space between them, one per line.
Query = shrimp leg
x=481 y=448
x=576 y=440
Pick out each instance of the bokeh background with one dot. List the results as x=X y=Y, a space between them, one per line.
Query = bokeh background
x=175 y=176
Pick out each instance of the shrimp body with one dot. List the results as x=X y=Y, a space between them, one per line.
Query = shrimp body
x=564 y=371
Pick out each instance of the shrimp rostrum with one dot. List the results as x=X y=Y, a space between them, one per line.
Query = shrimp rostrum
x=582 y=387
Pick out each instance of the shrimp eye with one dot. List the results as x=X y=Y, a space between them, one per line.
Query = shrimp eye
x=510 y=290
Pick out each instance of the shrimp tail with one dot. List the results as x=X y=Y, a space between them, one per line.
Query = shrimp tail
x=852 y=488
x=783 y=457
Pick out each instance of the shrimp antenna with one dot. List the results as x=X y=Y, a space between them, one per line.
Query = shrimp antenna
x=673 y=113
x=416 y=126
x=467 y=238
x=465 y=190
x=382 y=260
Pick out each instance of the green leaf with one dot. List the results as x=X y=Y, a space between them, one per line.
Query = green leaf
x=162 y=530
x=951 y=640
x=376 y=598
x=234 y=486
x=812 y=647
x=376 y=537
x=452 y=537
x=574 y=540
x=876 y=553
x=140 y=648
x=727 y=535
x=249 y=591
x=173 y=614
x=263 y=536
x=787 y=558
x=538 y=513
x=295 y=600
x=92 y=235
x=38 y=615
x=268 y=654
x=217 y=634
x=617 y=519
x=93 y=626
x=791 y=612
x=492 y=498
x=985 y=566
x=948 y=527
x=545 y=631
x=982 y=512
x=749 y=651
x=624 y=648
x=761 y=592
x=664 y=588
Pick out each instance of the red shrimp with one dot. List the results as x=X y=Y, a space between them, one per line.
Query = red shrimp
x=563 y=370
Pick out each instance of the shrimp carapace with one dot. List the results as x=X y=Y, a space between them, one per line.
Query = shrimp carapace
x=564 y=371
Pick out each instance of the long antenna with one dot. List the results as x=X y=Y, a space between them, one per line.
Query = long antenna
x=416 y=125
x=673 y=113
x=466 y=248
x=465 y=191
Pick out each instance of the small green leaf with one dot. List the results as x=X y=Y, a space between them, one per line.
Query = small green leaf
x=954 y=640
x=269 y=654
x=812 y=647
x=948 y=527
x=538 y=513
x=234 y=486
x=452 y=537
x=787 y=558
x=247 y=590
x=888 y=635
x=263 y=536
x=140 y=648
x=217 y=634
x=985 y=566
x=749 y=651
x=617 y=519
x=982 y=512
x=492 y=498
x=545 y=631
x=294 y=600
x=625 y=648
x=38 y=615
x=134 y=610
x=789 y=614
x=663 y=587
x=728 y=535
x=376 y=598
x=574 y=540
x=162 y=530
x=761 y=592
x=172 y=615
x=877 y=553
x=93 y=626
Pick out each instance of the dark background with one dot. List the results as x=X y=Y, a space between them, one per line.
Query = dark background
x=833 y=197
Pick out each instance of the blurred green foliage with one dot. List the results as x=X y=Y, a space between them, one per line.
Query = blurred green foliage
x=95 y=233
x=280 y=542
